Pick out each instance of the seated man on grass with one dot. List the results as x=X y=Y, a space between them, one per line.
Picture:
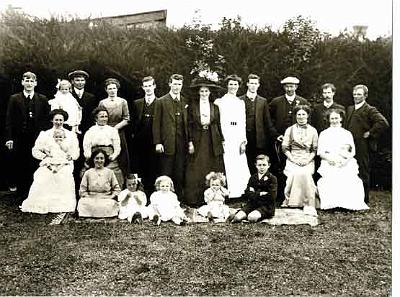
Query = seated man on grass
x=260 y=194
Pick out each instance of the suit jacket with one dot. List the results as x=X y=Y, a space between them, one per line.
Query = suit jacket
x=264 y=126
x=88 y=102
x=136 y=111
x=17 y=116
x=164 y=123
x=282 y=112
x=319 y=115
x=366 y=118
x=195 y=127
x=267 y=183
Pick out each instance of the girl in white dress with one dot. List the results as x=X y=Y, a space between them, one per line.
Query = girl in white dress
x=215 y=196
x=64 y=100
x=132 y=201
x=233 y=126
x=339 y=185
x=164 y=205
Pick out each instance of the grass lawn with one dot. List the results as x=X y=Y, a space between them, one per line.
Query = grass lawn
x=347 y=254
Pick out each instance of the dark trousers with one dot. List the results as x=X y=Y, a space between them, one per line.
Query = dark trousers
x=146 y=165
x=362 y=157
x=278 y=163
x=24 y=165
x=174 y=167
x=252 y=151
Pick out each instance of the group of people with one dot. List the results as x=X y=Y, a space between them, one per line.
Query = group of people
x=196 y=152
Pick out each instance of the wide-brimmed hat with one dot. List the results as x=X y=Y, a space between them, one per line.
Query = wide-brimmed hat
x=203 y=82
x=76 y=73
x=58 y=111
x=290 y=80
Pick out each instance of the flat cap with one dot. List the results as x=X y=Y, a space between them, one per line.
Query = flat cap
x=290 y=80
x=75 y=73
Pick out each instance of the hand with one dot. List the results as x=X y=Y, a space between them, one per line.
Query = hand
x=263 y=193
x=366 y=134
x=159 y=148
x=10 y=144
x=280 y=138
x=242 y=148
x=191 y=148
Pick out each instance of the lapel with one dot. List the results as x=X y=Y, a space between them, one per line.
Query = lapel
x=140 y=106
x=350 y=112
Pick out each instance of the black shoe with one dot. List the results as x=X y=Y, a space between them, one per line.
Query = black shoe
x=210 y=217
x=156 y=220
x=137 y=218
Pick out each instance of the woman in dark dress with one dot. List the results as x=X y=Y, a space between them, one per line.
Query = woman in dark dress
x=205 y=142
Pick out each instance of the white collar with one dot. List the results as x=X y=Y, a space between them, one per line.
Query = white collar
x=251 y=95
x=175 y=96
x=26 y=94
x=359 y=105
x=290 y=98
x=149 y=99
x=327 y=105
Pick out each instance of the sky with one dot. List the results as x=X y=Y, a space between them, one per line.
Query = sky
x=331 y=16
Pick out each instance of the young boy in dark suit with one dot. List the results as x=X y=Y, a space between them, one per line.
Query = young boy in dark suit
x=260 y=194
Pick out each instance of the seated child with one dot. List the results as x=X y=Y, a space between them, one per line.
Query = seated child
x=132 y=201
x=260 y=194
x=63 y=99
x=214 y=196
x=56 y=156
x=164 y=205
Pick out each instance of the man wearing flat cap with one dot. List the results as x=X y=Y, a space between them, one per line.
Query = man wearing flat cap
x=86 y=100
x=281 y=110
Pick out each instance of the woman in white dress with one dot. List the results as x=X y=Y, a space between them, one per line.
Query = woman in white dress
x=339 y=185
x=53 y=187
x=233 y=125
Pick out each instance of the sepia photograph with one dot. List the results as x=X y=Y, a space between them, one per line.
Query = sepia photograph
x=199 y=148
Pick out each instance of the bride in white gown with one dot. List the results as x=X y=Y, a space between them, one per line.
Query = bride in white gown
x=339 y=185
x=233 y=126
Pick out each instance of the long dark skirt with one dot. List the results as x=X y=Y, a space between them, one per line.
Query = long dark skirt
x=199 y=165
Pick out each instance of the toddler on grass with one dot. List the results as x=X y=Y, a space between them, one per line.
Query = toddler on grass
x=215 y=196
x=132 y=201
x=164 y=205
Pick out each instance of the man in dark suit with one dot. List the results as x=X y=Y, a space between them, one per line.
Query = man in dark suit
x=170 y=133
x=145 y=160
x=281 y=110
x=320 y=111
x=88 y=102
x=366 y=124
x=27 y=115
x=259 y=128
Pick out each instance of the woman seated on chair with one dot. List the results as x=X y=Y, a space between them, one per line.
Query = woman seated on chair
x=300 y=146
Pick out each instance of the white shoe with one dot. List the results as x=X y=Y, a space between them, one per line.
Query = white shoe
x=310 y=211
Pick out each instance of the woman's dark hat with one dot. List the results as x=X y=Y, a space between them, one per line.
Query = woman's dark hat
x=58 y=111
x=76 y=73
x=203 y=82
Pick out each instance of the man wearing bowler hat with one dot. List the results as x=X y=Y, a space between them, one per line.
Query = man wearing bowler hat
x=281 y=110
